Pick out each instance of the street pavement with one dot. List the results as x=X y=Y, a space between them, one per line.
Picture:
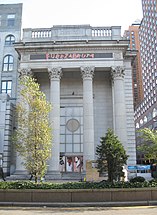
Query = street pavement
x=138 y=210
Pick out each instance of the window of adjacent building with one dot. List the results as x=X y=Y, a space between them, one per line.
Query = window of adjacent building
x=9 y=40
x=8 y=63
x=133 y=46
x=145 y=119
x=154 y=112
x=149 y=116
x=6 y=87
x=11 y=20
x=141 y=122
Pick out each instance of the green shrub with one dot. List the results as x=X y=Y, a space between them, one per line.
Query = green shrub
x=137 y=179
x=76 y=185
x=155 y=175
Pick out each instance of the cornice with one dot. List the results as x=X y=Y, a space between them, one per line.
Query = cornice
x=107 y=45
x=67 y=49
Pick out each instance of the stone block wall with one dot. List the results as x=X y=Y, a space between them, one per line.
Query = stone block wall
x=6 y=128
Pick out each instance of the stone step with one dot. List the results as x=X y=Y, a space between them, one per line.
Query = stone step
x=72 y=176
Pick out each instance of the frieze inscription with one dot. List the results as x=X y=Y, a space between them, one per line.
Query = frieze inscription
x=57 y=56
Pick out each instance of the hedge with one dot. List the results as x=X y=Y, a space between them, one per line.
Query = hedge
x=75 y=185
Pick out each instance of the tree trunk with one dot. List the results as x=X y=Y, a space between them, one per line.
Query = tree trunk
x=36 y=178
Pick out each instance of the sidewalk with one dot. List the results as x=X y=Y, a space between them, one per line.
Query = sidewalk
x=144 y=210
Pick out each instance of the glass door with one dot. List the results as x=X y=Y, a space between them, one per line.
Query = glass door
x=71 y=164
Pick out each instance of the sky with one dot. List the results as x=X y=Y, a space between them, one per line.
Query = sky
x=46 y=13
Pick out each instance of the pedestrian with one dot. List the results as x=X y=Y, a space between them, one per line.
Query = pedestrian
x=1 y=168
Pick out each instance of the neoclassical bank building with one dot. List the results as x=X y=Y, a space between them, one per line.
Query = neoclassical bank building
x=86 y=74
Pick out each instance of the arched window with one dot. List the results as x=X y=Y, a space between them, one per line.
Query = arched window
x=137 y=125
x=8 y=63
x=9 y=40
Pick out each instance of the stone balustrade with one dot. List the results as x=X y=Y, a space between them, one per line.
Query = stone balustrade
x=102 y=32
x=41 y=33
x=70 y=32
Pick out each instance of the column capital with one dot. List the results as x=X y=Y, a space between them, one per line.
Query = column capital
x=117 y=72
x=55 y=73
x=87 y=71
x=25 y=71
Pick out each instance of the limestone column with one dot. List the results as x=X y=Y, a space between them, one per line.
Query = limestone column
x=20 y=169
x=119 y=108
x=55 y=76
x=88 y=117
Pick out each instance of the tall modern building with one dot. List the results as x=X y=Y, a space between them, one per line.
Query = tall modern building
x=10 y=32
x=132 y=34
x=146 y=112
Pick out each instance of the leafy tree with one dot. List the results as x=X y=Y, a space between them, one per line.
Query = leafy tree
x=149 y=145
x=33 y=134
x=111 y=156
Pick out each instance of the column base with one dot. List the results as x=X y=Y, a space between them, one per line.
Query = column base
x=19 y=175
x=53 y=175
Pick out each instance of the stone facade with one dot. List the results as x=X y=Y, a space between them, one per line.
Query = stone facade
x=10 y=32
x=85 y=73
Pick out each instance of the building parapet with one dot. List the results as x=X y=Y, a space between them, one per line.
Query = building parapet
x=72 y=32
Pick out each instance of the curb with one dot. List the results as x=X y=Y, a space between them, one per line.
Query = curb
x=79 y=204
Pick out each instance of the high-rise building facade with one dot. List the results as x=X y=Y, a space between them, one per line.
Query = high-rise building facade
x=146 y=112
x=132 y=34
x=10 y=32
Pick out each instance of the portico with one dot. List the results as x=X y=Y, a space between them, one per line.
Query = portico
x=86 y=77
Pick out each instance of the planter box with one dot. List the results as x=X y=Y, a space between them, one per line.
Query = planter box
x=82 y=195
